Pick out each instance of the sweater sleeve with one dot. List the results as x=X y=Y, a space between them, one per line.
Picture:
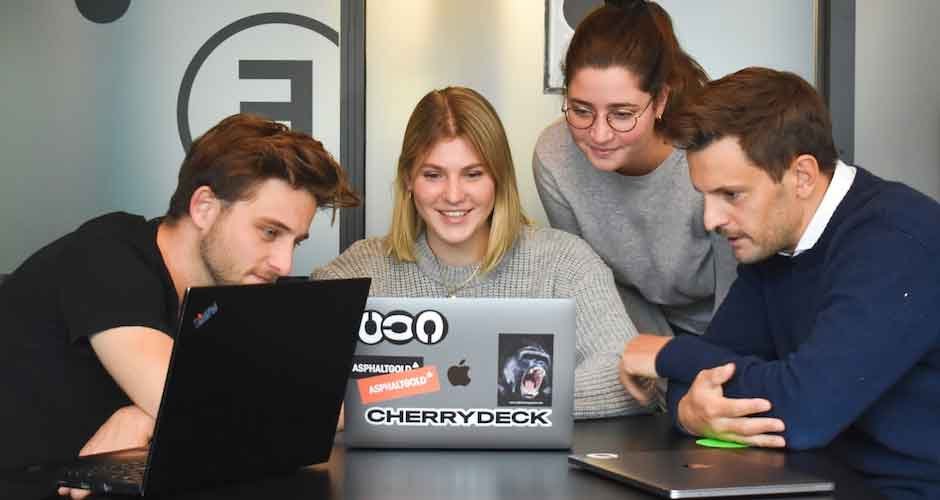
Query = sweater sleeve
x=602 y=329
x=739 y=328
x=877 y=318
x=559 y=212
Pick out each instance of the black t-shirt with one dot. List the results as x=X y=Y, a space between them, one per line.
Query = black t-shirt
x=54 y=393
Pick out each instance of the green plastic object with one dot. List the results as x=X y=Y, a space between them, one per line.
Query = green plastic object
x=718 y=443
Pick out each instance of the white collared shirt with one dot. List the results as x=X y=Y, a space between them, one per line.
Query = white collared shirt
x=841 y=182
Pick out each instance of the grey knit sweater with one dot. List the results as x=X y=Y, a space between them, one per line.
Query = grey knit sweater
x=649 y=229
x=542 y=263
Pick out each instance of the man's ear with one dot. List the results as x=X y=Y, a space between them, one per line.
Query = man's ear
x=808 y=177
x=204 y=207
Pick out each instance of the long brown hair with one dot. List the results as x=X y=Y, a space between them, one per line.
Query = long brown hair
x=637 y=36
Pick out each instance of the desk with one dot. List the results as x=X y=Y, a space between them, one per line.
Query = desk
x=515 y=475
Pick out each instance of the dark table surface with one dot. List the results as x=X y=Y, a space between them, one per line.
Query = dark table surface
x=470 y=474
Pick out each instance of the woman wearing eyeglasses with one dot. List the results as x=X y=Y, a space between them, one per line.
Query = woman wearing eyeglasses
x=606 y=172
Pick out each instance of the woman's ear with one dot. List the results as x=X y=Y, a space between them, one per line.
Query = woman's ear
x=661 y=100
x=204 y=207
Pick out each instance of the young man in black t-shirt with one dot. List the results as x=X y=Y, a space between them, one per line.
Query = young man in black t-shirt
x=87 y=322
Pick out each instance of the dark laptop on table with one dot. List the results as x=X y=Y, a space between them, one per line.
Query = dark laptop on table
x=703 y=473
x=254 y=386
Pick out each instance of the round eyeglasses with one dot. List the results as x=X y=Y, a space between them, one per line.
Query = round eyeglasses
x=583 y=117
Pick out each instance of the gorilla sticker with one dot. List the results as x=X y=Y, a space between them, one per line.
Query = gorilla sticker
x=525 y=370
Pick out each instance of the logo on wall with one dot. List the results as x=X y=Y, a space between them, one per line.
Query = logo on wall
x=298 y=110
x=102 y=11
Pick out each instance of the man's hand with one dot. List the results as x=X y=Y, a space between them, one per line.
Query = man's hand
x=128 y=427
x=704 y=411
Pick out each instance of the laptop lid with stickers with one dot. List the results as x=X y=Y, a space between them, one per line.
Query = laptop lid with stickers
x=463 y=373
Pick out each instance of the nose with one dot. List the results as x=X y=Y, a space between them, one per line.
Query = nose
x=714 y=217
x=282 y=257
x=600 y=130
x=453 y=193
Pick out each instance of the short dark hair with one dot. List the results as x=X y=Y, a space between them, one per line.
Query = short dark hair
x=638 y=36
x=776 y=116
x=243 y=150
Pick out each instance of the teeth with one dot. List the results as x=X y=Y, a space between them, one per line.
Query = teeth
x=455 y=213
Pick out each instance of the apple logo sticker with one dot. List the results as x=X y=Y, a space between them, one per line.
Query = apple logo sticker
x=459 y=374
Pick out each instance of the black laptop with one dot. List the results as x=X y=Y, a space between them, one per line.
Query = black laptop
x=254 y=387
x=704 y=473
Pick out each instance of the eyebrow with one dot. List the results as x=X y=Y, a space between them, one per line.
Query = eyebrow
x=465 y=167
x=727 y=187
x=609 y=106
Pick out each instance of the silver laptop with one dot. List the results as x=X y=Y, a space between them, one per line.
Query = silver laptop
x=703 y=473
x=463 y=373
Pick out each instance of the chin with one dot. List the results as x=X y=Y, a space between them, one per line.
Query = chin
x=753 y=256
x=455 y=240
x=609 y=164
x=456 y=237
x=255 y=280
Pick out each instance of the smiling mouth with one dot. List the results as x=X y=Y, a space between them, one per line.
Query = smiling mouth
x=602 y=149
x=454 y=213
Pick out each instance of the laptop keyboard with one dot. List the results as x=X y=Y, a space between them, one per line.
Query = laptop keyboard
x=127 y=472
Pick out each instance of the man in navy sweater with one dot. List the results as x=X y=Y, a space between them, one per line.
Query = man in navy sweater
x=831 y=334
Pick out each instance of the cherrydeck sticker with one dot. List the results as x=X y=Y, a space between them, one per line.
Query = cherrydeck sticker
x=370 y=366
x=525 y=369
x=460 y=417
x=398 y=385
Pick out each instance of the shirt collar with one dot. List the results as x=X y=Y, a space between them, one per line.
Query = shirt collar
x=842 y=179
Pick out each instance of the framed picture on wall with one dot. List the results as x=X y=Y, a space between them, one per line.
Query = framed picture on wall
x=561 y=17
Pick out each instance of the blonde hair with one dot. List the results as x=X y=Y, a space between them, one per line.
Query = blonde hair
x=457 y=112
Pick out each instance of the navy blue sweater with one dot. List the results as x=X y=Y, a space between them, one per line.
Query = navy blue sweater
x=844 y=339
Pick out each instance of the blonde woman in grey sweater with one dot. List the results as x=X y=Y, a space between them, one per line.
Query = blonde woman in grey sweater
x=458 y=229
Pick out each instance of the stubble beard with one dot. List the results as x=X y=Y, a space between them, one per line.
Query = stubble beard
x=217 y=272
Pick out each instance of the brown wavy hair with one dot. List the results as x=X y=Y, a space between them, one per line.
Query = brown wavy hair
x=243 y=150
x=776 y=116
x=637 y=36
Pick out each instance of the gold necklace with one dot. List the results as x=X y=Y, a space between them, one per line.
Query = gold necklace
x=451 y=290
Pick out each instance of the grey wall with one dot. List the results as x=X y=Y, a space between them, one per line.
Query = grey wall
x=90 y=110
x=497 y=47
x=53 y=156
x=897 y=91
